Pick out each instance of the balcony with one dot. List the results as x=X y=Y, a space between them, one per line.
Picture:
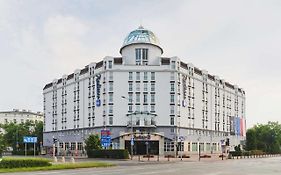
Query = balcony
x=141 y=119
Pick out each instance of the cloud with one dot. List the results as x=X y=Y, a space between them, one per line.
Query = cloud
x=64 y=36
x=237 y=40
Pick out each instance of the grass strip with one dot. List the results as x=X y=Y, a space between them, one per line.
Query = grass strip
x=59 y=167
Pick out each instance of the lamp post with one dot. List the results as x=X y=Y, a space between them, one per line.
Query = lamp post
x=132 y=130
x=199 y=150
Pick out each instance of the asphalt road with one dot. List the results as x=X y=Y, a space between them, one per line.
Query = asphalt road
x=260 y=166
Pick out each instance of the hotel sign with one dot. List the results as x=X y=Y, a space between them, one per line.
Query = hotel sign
x=98 y=87
x=142 y=137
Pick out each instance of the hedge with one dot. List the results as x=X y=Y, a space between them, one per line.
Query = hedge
x=22 y=153
x=24 y=162
x=246 y=153
x=109 y=153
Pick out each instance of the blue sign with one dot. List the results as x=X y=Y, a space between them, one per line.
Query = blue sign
x=105 y=138
x=27 y=139
x=98 y=86
x=98 y=102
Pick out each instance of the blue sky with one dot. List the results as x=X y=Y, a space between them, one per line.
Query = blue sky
x=237 y=40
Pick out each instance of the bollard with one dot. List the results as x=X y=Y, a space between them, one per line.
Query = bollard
x=168 y=157
x=63 y=160
x=55 y=159
x=158 y=158
x=139 y=158
x=72 y=160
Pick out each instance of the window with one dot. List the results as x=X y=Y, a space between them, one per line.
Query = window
x=145 y=76
x=110 y=86
x=144 y=98
x=152 y=75
x=172 y=76
x=172 y=99
x=130 y=108
x=172 y=120
x=109 y=64
x=152 y=108
x=130 y=75
x=144 y=56
x=194 y=146
x=152 y=98
x=130 y=87
x=130 y=98
x=141 y=56
x=111 y=76
x=152 y=87
x=137 y=98
x=145 y=108
x=138 y=76
x=145 y=87
x=137 y=108
x=110 y=109
x=172 y=87
x=180 y=146
x=173 y=65
x=137 y=86
x=111 y=120
x=110 y=100
x=172 y=109
x=169 y=146
x=138 y=56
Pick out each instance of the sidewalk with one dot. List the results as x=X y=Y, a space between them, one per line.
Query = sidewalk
x=142 y=160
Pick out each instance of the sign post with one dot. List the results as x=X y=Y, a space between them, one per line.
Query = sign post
x=222 y=148
x=105 y=138
x=181 y=143
x=25 y=149
x=28 y=139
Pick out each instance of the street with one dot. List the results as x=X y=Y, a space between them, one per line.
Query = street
x=268 y=166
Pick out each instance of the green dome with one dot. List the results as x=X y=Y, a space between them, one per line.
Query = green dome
x=141 y=36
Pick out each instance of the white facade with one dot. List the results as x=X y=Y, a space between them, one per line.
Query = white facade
x=19 y=116
x=164 y=97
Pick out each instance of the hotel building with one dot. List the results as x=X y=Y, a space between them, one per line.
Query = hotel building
x=162 y=101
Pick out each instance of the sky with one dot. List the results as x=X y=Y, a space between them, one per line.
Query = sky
x=237 y=40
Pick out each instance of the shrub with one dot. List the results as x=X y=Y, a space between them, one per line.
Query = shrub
x=109 y=153
x=24 y=162
x=205 y=156
x=235 y=153
x=257 y=152
x=22 y=153
x=169 y=156
x=146 y=156
x=246 y=153
x=183 y=156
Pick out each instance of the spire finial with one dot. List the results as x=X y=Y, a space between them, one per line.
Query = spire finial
x=140 y=27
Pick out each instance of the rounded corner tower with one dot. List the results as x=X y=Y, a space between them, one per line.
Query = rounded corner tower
x=141 y=47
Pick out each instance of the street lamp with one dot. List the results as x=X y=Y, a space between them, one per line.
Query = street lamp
x=199 y=151
x=132 y=131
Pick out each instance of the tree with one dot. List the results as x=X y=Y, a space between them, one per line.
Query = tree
x=14 y=133
x=265 y=137
x=2 y=144
x=93 y=143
